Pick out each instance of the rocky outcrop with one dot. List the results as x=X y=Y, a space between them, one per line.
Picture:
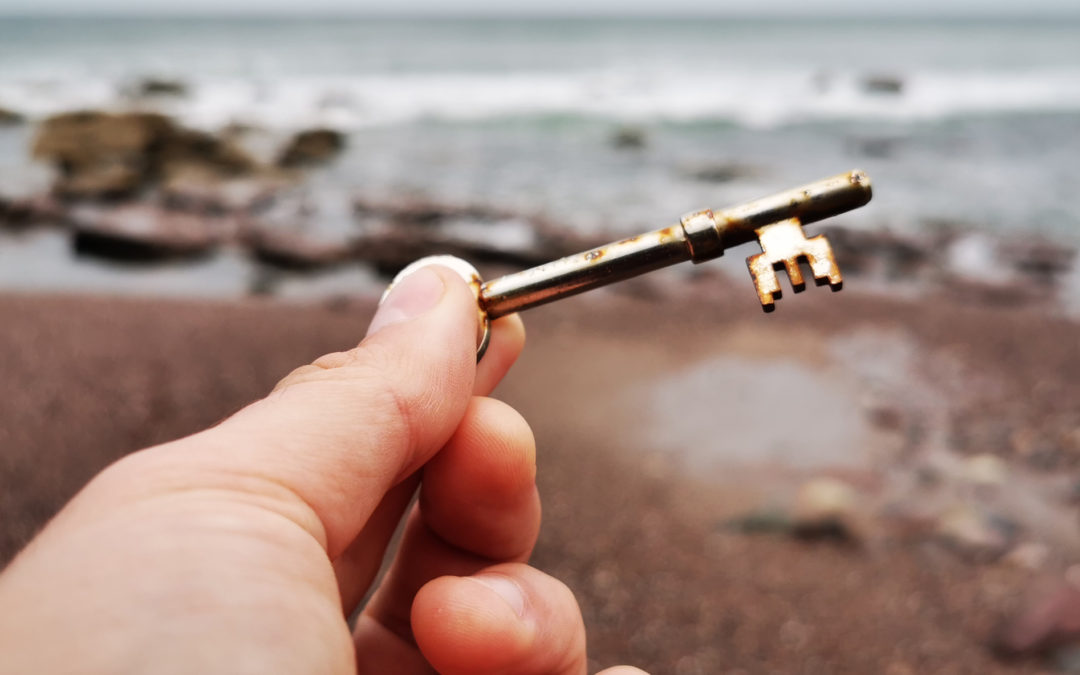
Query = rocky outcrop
x=311 y=148
x=111 y=156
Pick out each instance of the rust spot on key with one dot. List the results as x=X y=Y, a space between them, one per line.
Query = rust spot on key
x=783 y=244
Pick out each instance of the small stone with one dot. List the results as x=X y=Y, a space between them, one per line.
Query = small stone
x=159 y=86
x=1029 y=556
x=765 y=521
x=629 y=138
x=724 y=173
x=978 y=536
x=883 y=84
x=985 y=470
x=826 y=508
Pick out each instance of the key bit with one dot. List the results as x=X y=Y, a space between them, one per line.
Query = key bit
x=776 y=221
x=784 y=244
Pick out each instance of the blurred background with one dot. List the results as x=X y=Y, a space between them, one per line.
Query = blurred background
x=194 y=199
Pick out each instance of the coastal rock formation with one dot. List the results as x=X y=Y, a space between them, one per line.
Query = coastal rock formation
x=101 y=155
x=311 y=148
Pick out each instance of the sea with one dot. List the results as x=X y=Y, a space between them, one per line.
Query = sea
x=961 y=122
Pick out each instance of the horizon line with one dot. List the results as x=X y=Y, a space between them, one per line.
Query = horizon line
x=1003 y=13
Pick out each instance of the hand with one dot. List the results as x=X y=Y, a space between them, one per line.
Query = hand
x=245 y=548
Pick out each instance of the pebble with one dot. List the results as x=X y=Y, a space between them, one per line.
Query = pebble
x=985 y=470
x=826 y=507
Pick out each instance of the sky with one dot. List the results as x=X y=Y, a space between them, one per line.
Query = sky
x=548 y=7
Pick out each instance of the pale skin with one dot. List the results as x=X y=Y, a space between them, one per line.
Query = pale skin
x=246 y=547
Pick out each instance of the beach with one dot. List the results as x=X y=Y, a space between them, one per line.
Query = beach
x=648 y=513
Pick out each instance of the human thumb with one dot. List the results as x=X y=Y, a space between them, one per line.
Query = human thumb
x=342 y=431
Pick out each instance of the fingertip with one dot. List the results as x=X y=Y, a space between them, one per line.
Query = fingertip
x=467 y=625
x=622 y=670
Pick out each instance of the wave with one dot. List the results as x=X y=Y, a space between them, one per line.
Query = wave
x=760 y=99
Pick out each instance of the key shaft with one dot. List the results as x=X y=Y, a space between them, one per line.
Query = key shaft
x=699 y=236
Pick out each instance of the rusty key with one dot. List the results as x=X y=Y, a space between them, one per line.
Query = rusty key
x=775 y=221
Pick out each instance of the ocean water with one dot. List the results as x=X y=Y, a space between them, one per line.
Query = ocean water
x=983 y=132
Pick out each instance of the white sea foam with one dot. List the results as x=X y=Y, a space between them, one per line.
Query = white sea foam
x=755 y=98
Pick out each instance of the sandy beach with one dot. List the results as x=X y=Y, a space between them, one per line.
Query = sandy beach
x=651 y=477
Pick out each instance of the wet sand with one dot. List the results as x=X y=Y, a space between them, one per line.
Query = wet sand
x=658 y=419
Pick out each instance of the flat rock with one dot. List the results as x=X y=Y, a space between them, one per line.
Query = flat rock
x=302 y=231
x=144 y=232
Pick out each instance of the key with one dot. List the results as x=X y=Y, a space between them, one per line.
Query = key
x=775 y=221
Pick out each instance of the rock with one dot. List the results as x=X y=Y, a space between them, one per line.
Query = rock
x=144 y=232
x=985 y=470
x=156 y=86
x=199 y=190
x=115 y=155
x=296 y=250
x=9 y=117
x=1030 y=556
x=187 y=149
x=826 y=508
x=84 y=138
x=33 y=210
x=629 y=138
x=417 y=211
x=976 y=535
x=312 y=147
x=876 y=147
x=724 y=173
x=391 y=250
x=105 y=180
x=1048 y=618
x=880 y=252
x=765 y=521
x=883 y=84
x=301 y=232
x=1043 y=262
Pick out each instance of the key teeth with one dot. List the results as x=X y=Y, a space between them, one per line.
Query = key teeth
x=784 y=244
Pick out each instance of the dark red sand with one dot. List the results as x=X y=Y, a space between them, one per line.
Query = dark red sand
x=662 y=586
